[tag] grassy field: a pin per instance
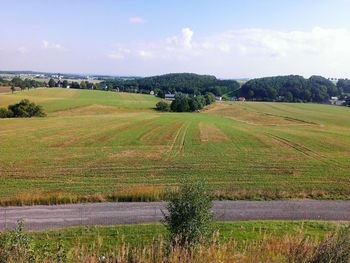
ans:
(97, 146)
(143, 234)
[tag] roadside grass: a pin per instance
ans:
(138, 235)
(104, 146)
(235, 242)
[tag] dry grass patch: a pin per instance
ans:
(210, 133)
(94, 109)
(239, 112)
(137, 154)
(5, 89)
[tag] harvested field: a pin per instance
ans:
(95, 143)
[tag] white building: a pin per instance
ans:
(170, 96)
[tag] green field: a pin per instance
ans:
(96, 146)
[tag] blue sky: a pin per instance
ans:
(230, 39)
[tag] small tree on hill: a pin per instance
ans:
(180, 104)
(189, 220)
(163, 106)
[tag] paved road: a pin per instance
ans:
(45, 217)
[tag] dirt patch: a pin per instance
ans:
(5, 89)
(210, 133)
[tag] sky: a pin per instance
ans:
(225, 38)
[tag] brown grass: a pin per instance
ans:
(238, 112)
(145, 193)
(289, 248)
(210, 133)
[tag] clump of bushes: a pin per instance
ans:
(23, 109)
(184, 103)
(163, 106)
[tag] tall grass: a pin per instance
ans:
(297, 248)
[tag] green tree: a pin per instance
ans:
(161, 94)
(288, 97)
(201, 101)
(83, 85)
(52, 83)
(26, 109)
(194, 105)
(13, 89)
(189, 220)
(163, 106)
(347, 101)
(209, 98)
(180, 104)
(5, 113)
(65, 83)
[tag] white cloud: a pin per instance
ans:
(255, 50)
(22, 50)
(145, 54)
(187, 35)
(185, 40)
(49, 45)
(119, 54)
(136, 20)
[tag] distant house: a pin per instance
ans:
(151, 93)
(241, 98)
(336, 101)
(218, 98)
(169, 96)
(340, 102)
(333, 100)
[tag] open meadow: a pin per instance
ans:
(98, 146)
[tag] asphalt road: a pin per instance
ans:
(45, 217)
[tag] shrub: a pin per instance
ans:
(16, 246)
(23, 109)
(163, 106)
(334, 248)
(189, 219)
(5, 113)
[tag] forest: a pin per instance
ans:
(291, 88)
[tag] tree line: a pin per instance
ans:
(20, 83)
(291, 88)
(344, 85)
(188, 83)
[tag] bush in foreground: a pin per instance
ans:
(189, 219)
(23, 109)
